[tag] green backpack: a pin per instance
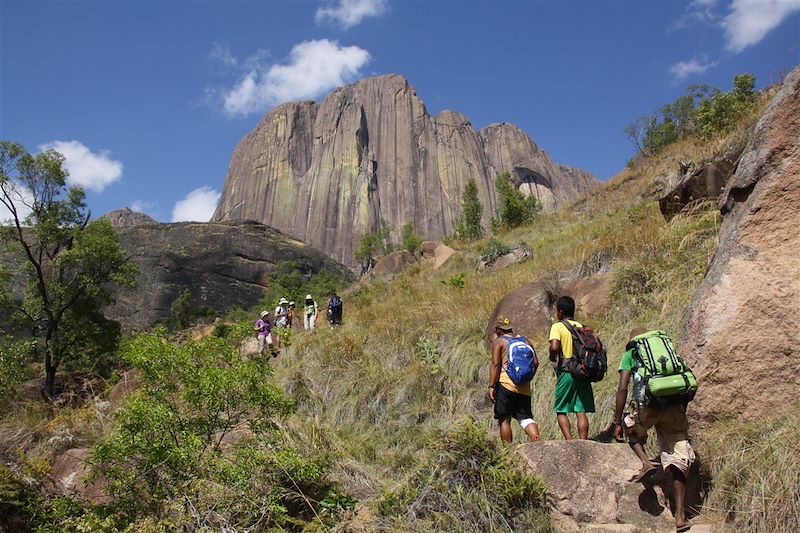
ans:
(667, 378)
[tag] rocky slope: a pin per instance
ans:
(370, 152)
(120, 218)
(742, 332)
(223, 264)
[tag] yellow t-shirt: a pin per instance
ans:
(559, 332)
(505, 381)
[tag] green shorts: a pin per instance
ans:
(573, 395)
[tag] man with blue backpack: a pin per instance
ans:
(663, 384)
(514, 364)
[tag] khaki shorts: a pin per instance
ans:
(672, 429)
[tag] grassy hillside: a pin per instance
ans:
(390, 413)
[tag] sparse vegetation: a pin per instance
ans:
(703, 111)
(468, 226)
(409, 240)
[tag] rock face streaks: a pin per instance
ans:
(370, 152)
(743, 330)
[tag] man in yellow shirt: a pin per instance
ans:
(572, 395)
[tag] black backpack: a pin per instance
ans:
(335, 304)
(589, 361)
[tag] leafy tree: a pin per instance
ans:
(180, 312)
(515, 208)
(70, 263)
(722, 110)
(410, 241)
(372, 244)
(173, 441)
(468, 226)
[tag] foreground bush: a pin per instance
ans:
(471, 483)
(198, 446)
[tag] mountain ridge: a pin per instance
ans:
(371, 153)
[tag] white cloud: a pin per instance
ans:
(684, 69)
(349, 13)
(198, 206)
(749, 21)
(94, 171)
(21, 198)
(697, 12)
(313, 68)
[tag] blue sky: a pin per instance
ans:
(148, 99)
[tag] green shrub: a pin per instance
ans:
(170, 442)
(410, 241)
(515, 208)
(14, 369)
(493, 249)
(456, 280)
(468, 226)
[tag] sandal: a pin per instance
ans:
(641, 475)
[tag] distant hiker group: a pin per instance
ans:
(283, 319)
(662, 386)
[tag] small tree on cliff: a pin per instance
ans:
(468, 226)
(69, 262)
(515, 208)
(371, 245)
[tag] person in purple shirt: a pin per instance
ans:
(264, 333)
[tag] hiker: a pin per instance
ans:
(335, 310)
(572, 395)
(310, 315)
(510, 386)
(264, 333)
(670, 422)
(281, 320)
(290, 314)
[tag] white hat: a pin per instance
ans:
(283, 301)
(308, 297)
(264, 313)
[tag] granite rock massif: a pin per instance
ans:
(370, 152)
(742, 333)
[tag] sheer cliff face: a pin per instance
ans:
(328, 173)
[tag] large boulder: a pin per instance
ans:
(391, 265)
(223, 265)
(69, 477)
(705, 182)
(370, 153)
(743, 329)
(527, 308)
(592, 295)
(444, 255)
(588, 488)
(516, 255)
(129, 383)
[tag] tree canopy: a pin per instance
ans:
(68, 262)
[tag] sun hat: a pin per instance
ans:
(283, 301)
(264, 313)
(503, 323)
(291, 304)
(308, 297)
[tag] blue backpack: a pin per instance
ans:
(522, 360)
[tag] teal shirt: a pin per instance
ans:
(629, 364)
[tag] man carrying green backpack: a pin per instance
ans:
(662, 386)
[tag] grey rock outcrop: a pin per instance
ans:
(705, 182)
(223, 265)
(743, 327)
(370, 152)
(124, 217)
